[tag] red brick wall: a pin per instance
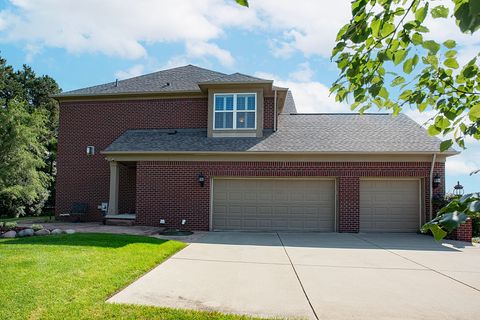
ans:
(170, 190)
(348, 204)
(86, 179)
(268, 113)
(464, 232)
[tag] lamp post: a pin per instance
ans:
(458, 189)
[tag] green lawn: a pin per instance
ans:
(71, 276)
(39, 219)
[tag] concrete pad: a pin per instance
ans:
(470, 278)
(345, 293)
(237, 247)
(264, 290)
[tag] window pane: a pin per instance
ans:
(241, 102)
(251, 102)
(245, 120)
(223, 120)
(219, 102)
(250, 123)
(241, 120)
(229, 102)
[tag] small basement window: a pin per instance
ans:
(235, 111)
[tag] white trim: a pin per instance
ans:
(210, 219)
(235, 111)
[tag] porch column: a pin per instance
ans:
(114, 183)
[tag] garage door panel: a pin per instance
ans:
(389, 205)
(274, 204)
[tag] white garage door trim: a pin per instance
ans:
(420, 201)
(335, 195)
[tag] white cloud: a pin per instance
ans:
(303, 74)
(310, 96)
(124, 28)
(309, 26)
(134, 71)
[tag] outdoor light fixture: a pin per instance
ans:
(201, 179)
(436, 181)
(90, 150)
(458, 189)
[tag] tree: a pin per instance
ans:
(23, 184)
(34, 95)
(387, 60)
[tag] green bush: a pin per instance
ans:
(10, 225)
(476, 225)
(36, 227)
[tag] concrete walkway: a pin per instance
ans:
(317, 276)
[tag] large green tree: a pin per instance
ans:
(26, 98)
(23, 183)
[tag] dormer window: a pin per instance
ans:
(235, 111)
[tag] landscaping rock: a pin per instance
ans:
(56, 231)
(9, 234)
(26, 233)
(69, 231)
(42, 232)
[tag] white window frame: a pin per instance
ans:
(234, 111)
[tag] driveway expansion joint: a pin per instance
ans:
(298, 278)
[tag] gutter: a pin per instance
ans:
(434, 158)
(275, 110)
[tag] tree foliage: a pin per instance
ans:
(387, 59)
(23, 184)
(28, 131)
(451, 216)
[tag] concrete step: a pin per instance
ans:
(119, 222)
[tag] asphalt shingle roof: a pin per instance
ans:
(296, 133)
(179, 79)
(237, 78)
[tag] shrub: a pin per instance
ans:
(10, 225)
(36, 227)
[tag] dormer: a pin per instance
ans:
(236, 105)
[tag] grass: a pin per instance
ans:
(71, 276)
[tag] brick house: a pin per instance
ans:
(230, 152)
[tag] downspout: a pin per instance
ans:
(431, 185)
(274, 110)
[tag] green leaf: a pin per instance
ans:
(452, 220)
(417, 38)
(421, 13)
(450, 53)
(438, 233)
(242, 2)
(474, 206)
(440, 12)
(375, 25)
(397, 81)
(431, 46)
(451, 63)
(387, 29)
(475, 112)
(408, 66)
(433, 131)
(445, 145)
(450, 44)
(399, 56)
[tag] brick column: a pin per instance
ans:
(464, 232)
(349, 204)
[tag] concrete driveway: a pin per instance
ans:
(317, 276)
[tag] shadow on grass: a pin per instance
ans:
(84, 239)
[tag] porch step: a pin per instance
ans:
(119, 222)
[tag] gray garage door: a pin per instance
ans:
(389, 205)
(273, 204)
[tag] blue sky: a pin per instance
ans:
(82, 43)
